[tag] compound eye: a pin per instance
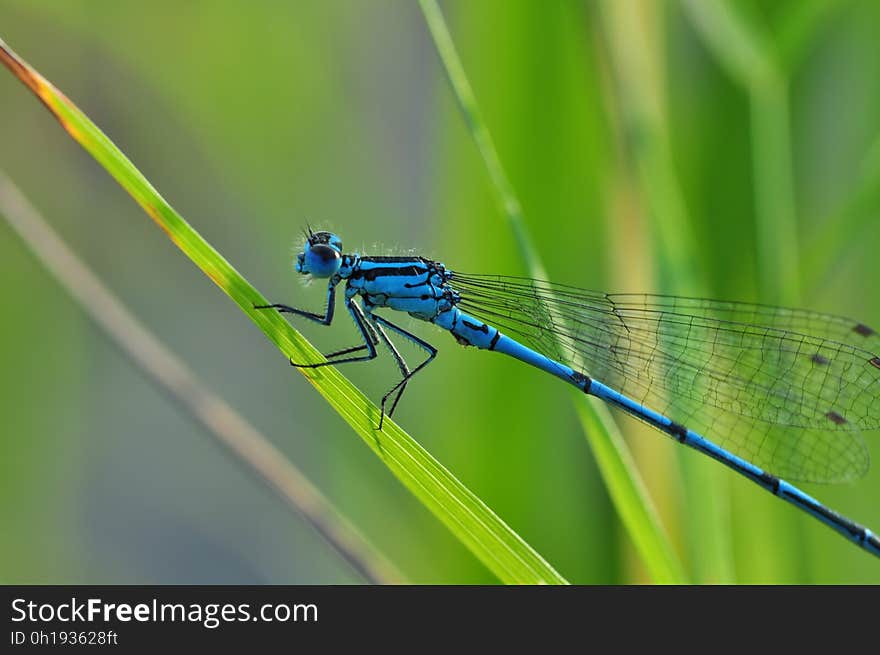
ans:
(323, 260)
(324, 252)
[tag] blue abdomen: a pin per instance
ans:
(468, 331)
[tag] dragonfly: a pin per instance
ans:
(784, 393)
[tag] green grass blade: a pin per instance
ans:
(640, 85)
(737, 47)
(774, 193)
(631, 499)
(750, 58)
(752, 62)
(175, 379)
(843, 230)
(621, 478)
(503, 551)
(803, 21)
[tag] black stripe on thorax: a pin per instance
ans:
(397, 260)
(417, 266)
(371, 274)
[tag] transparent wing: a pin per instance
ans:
(794, 388)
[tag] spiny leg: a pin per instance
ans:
(398, 358)
(326, 319)
(345, 351)
(367, 333)
(424, 345)
(353, 349)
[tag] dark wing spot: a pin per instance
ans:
(835, 418)
(874, 362)
(819, 359)
(864, 330)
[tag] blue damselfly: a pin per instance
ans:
(781, 392)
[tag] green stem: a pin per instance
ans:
(503, 551)
(621, 478)
(644, 133)
(174, 378)
(845, 227)
(750, 59)
(777, 234)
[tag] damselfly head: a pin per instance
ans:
(321, 255)
(328, 238)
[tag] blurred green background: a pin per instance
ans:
(727, 149)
